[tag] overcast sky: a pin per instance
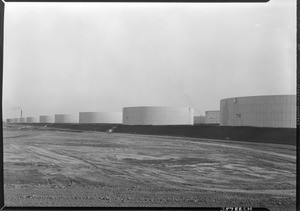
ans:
(72, 57)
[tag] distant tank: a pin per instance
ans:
(158, 115)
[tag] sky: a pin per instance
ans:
(76, 57)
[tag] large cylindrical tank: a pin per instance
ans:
(158, 115)
(22, 120)
(16, 120)
(100, 117)
(46, 119)
(66, 118)
(259, 111)
(32, 120)
(212, 117)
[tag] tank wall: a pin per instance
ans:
(32, 120)
(66, 118)
(199, 119)
(100, 117)
(259, 111)
(46, 119)
(212, 117)
(158, 116)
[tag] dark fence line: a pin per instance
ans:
(249, 134)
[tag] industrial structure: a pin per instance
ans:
(199, 120)
(66, 118)
(158, 115)
(259, 111)
(15, 120)
(32, 120)
(46, 119)
(100, 117)
(212, 117)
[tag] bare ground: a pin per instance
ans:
(46, 167)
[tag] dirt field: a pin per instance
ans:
(47, 167)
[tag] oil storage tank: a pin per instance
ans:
(100, 117)
(158, 115)
(259, 111)
(32, 120)
(66, 118)
(46, 119)
(212, 117)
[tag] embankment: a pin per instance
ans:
(249, 134)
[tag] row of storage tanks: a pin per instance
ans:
(257, 111)
(82, 117)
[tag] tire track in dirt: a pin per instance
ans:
(50, 156)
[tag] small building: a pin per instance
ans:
(22, 120)
(32, 120)
(100, 117)
(158, 115)
(46, 119)
(212, 117)
(199, 120)
(66, 118)
(9, 120)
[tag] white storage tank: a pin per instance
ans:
(212, 117)
(66, 118)
(158, 115)
(22, 120)
(259, 111)
(32, 120)
(199, 120)
(46, 119)
(15, 120)
(100, 117)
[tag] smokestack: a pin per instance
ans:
(21, 113)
